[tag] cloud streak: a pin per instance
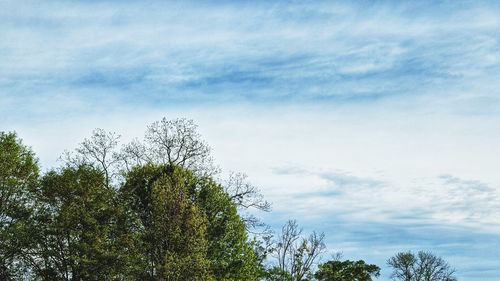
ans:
(263, 52)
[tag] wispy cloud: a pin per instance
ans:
(444, 200)
(263, 52)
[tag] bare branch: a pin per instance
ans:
(295, 254)
(244, 194)
(97, 151)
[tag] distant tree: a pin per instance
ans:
(338, 270)
(424, 266)
(296, 254)
(18, 178)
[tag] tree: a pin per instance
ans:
(99, 152)
(178, 229)
(246, 196)
(18, 177)
(170, 227)
(73, 230)
(337, 270)
(424, 266)
(170, 204)
(166, 142)
(152, 211)
(171, 142)
(231, 253)
(296, 254)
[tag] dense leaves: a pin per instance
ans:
(74, 222)
(182, 214)
(347, 270)
(232, 256)
(18, 177)
(170, 227)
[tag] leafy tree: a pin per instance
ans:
(178, 229)
(170, 228)
(424, 266)
(18, 176)
(73, 232)
(216, 228)
(337, 270)
(152, 211)
(231, 254)
(166, 142)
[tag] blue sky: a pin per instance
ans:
(376, 122)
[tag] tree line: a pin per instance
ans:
(156, 209)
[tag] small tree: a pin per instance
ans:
(337, 270)
(424, 266)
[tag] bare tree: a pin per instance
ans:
(177, 142)
(247, 196)
(171, 142)
(424, 266)
(134, 154)
(297, 254)
(244, 194)
(98, 151)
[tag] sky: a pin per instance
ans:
(375, 122)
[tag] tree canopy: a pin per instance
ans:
(19, 173)
(337, 270)
(156, 210)
(101, 216)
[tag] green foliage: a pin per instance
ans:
(277, 274)
(178, 229)
(347, 270)
(165, 222)
(187, 224)
(18, 176)
(232, 256)
(74, 226)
